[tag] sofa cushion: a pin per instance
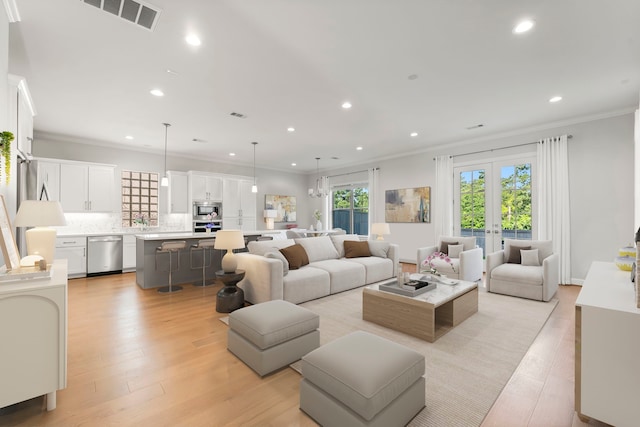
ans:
(338, 242)
(515, 256)
(376, 268)
(530, 257)
(278, 255)
(379, 248)
(262, 247)
(455, 250)
(356, 249)
(296, 256)
(444, 246)
(468, 242)
(305, 284)
(515, 273)
(318, 248)
(544, 247)
(343, 275)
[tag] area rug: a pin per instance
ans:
(467, 368)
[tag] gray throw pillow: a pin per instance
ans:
(278, 255)
(379, 249)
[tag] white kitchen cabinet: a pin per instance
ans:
(86, 188)
(206, 187)
(74, 250)
(178, 192)
(47, 180)
(238, 204)
(128, 252)
(33, 332)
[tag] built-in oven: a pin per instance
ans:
(202, 226)
(207, 211)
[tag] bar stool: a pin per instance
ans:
(206, 245)
(173, 247)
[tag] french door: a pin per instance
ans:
(495, 200)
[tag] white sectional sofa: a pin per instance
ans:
(267, 276)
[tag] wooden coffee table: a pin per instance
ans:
(427, 316)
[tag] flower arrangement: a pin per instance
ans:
(210, 218)
(317, 215)
(140, 219)
(5, 149)
(437, 255)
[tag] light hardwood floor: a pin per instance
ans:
(136, 357)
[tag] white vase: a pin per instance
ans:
(318, 225)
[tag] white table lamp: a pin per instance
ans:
(229, 240)
(40, 214)
(269, 217)
(380, 228)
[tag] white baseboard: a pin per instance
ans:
(578, 282)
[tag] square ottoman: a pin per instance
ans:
(273, 334)
(362, 379)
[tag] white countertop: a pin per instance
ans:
(191, 235)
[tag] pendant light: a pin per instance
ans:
(320, 189)
(165, 181)
(254, 187)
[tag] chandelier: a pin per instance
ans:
(320, 189)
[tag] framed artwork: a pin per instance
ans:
(408, 205)
(284, 205)
(7, 241)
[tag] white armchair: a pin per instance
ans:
(525, 268)
(466, 258)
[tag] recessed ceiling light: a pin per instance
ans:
(193, 40)
(291, 129)
(170, 71)
(294, 164)
(359, 148)
(555, 99)
(232, 154)
(523, 26)
(157, 92)
(128, 137)
(413, 134)
(346, 105)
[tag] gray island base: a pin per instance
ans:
(149, 276)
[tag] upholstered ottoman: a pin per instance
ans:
(362, 379)
(273, 334)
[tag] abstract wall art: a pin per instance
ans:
(408, 205)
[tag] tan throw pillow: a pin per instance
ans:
(514, 253)
(444, 246)
(356, 249)
(278, 255)
(530, 257)
(455, 250)
(296, 256)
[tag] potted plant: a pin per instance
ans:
(5, 149)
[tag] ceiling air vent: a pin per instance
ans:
(239, 115)
(137, 12)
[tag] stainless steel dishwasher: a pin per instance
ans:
(104, 255)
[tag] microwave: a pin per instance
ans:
(202, 210)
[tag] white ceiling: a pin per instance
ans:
(292, 63)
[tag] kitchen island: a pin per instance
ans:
(190, 267)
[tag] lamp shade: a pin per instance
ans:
(270, 213)
(39, 213)
(380, 228)
(229, 239)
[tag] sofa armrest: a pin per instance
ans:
(493, 260)
(394, 256)
(471, 265)
(262, 278)
(550, 276)
(423, 253)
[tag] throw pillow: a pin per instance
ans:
(296, 256)
(514, 253)
(444, 246)
(455, 250)
(356, 249)
(530, 257)
(378, 248)
(278, 255)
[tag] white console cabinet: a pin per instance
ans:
(33, 333)
(607, 358)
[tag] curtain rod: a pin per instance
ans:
(499, 148)
(351, 173)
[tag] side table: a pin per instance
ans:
(230, 297)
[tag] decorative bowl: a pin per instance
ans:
(624, 263)
(627, 251)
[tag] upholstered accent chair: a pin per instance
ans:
(525, 268)
(466, 258)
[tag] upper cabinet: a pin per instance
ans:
(47, 178)
(178, 192)
(21, 112)
(238, 204)
(206, 187)
(86, 187)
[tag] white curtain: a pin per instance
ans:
(443, 209)
(373, 196)
(637, 172)
(553, 200)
